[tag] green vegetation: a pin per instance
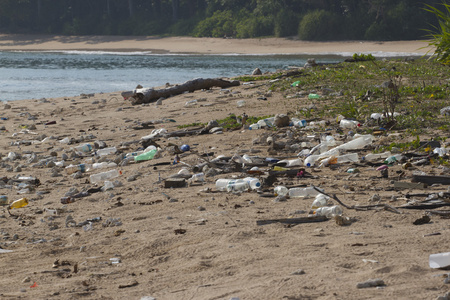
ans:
(409, 94)
(363, 57)
(440, 36)
(306, 19)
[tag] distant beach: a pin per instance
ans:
(192, 45)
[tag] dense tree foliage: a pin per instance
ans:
(307, 19)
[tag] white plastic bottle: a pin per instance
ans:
(329, 211)
(103, 165)
(253, 182)
(254, 126)
(303, 192)
(237, 186)
(289, 163)
(310, 161)
(99, 177)
(106, 151)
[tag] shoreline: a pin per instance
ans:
(191, 45)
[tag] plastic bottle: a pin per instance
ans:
(253, 182)
(106, 151)
(146, 155)
(75, 168)
(350, 157)
(311, 160)
(237, 186)
(254, 126)
(19, 203)
(332, 160)
(376, 156)
(329, 211)
(84, 148)
(392, 159)
(197, 177)
(349, 124)
(313, 96)
(303, 192)
(103, 165)
(289, 163)
(439, 260)
(320, 201)
(3, 200)
(95, 178)
(280, 190)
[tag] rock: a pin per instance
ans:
(174, 182)
(370, 283)
(7, 106)
(281, 120)
(257, 71)
(212, 124)
(298, 272)
(310, 63)
(445, 111)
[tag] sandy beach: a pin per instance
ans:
(204, 45)
(145, 240)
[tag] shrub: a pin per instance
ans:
(440, 38)
(319, 25)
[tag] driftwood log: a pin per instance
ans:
(147, 95)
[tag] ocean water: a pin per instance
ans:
(36, 75)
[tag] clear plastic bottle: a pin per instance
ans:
(86, 148)
(303, 192)
(280, 190)
(103, 165)
(106, 151)
(236, 184)
(345, 158)
(289, 163)
(253, 182)
(310, 161)
(99, 177)
(75, 168)
(349, 124)
(329, 211)
(320, 201)
(376, 156)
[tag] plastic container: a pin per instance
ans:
(349, 124)
(376, 156)
(310, 161)
(19, 203)
(303, 192)
(3, 200)
(86, 148)
(289, 163)
(320, 201)
(329, 211)
(197, 177)
(99, 177)
(345, 158)
(280, 190)
(253, 182)
(254, 126)
(103, 165)
(439, 260)
(392, 159)
(146, 155)
(106, 151)
(75, 168)
(237, 186)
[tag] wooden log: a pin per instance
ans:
(147, 95)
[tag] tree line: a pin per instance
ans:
(305, 19)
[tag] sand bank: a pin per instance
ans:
(204, 45)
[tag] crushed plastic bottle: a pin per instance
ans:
(349, 124)
(146, 155)
(303, 192)
(19, 203)
(106, 151)
(75, 168)
(86, 148)
(320, 201)
(99, 177)
(329, 211)
(280, 190)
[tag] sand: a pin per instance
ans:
(204, 244)
(205, 45)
